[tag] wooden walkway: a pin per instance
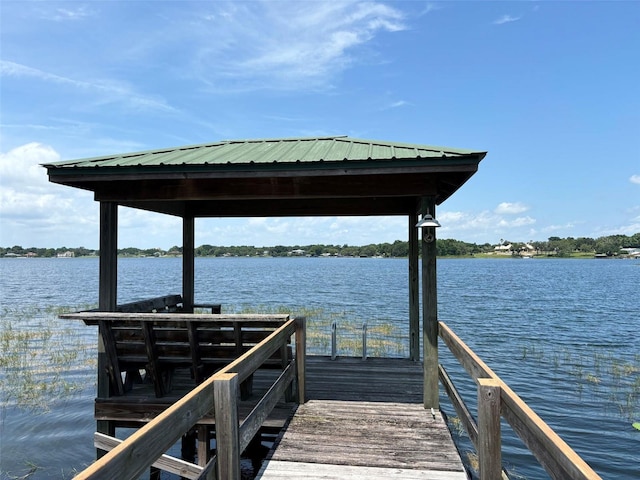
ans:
(364, 420)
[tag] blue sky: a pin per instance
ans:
(550, 89)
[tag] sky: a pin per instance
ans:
(551, 90)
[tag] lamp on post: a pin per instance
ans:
(428, 221)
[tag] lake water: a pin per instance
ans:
(564, 334)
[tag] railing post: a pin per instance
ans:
(364, 341)
(301, 354)
(225, 401)
(489, 441)
(334, 340)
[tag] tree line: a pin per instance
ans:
(555, 246)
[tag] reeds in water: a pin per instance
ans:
(384, 336)
(41, 357)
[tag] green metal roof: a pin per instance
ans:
(270, 151)
(274, 177)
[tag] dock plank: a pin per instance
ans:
(306, 471)
(364, 419)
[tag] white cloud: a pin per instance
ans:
(430, 7)
(635, 179)
(301, 231)
(484, 226)
(73, 14)
(34, 209)
(522, 221)
(510, 208)
(399, 103)
(109, 91)
(20, 169)
(253, 46)
(506, 19)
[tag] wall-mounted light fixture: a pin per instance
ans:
(426, 222)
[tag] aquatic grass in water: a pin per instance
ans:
(38, 353)
(597, 372)
(384, 338)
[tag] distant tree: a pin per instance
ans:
(400, 249)
(17, 249)
(315, 250)
(368, 251)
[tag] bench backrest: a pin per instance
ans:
(166, 303)
(204, 343)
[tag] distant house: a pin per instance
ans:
(67, 254)
(631, 251)
(298, 252)
(503, 249)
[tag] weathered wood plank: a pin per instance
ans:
(93, 317)
(251, 425)
(429, 309)
(129, 461)
(225, 392)
(278, 470)
(489, 435)
(392, 435)
(165, 462)
(460, 407)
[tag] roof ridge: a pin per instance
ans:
(284, 150)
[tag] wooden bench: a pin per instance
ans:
(158, 344)
(165, 304)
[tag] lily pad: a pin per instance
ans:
(636, 425)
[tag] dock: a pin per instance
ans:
(364, 419)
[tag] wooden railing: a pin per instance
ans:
(496, 399)
(128, 459)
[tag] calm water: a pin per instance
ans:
(563, 333)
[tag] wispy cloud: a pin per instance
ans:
(483, 224)
(635, 179)
(510, 208)
(506, 19)
(110, 91)
(71, 14)
(430, 7)
(253, 46)
(399, 103)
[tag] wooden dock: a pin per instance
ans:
(364, 419)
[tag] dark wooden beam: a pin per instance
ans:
(107, 297)
(414, 289)
(290, 188)
(280, 207)
(188, 262)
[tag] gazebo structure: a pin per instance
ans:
(329, 176)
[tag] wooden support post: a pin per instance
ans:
(188, 446)
(188, 263)
(414, 290)
(489, 441)
(107, 299)
(429, 309)
(203, 445)
(107, 293)
(225, 400)
(301, 354)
